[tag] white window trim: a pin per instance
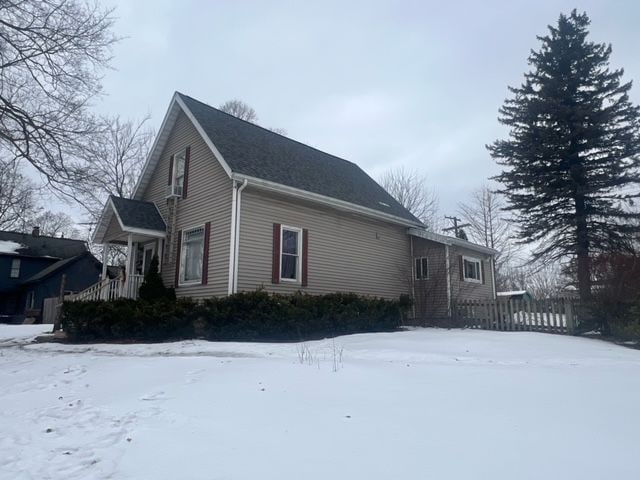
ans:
(174, 173)
(464, 273)
(183, 251)
(415, 273)
(11, 270)
(172, 190)
(298, 278)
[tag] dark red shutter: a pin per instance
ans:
(178, 256)
(205, 253)
(305, 257)
(482, 270)
(275, 265)
(461, 263)
(170, 179)
(185, 182)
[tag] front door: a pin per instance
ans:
(149, 251)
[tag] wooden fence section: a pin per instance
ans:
(50, 309)
(548, 315)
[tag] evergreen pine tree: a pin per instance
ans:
(152, 288)
(571, 158)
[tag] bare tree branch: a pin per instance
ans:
(489, 226)
(17, 197)
(411, 190)
(239, 109)
(115, 157)
(51, 56)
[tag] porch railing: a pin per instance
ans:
(109, 289)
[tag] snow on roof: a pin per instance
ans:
(509, 294)
(7, 246)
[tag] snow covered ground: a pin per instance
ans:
(410, 405)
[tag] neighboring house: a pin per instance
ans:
(521, 295)
(31, 269)
(229, 206)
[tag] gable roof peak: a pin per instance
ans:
(267, 130)
(246, 150)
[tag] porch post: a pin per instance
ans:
(129, 265)
(105, 256)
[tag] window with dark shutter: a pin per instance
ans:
(305, 257)
(170, 179)
(179, 250)
(290, 254)
(185, 179)
(205, 254)
(275, 261)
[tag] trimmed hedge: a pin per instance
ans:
(253, 316)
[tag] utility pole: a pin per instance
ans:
(455, 227)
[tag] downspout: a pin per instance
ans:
(237, 235)
(232, 239)
(413, 276)
(448, 269)
(493, 276)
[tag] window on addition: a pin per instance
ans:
(472, 269)
(422, 268)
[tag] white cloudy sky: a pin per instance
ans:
(380, 83)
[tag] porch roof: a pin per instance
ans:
(132, 216)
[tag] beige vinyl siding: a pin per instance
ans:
(208, 200)
(464, 290)
(114, 231)
(347, 253)
(430, 295)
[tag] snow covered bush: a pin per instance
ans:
(256, 316)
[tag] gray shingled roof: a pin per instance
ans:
(138, 214)
(43, 246)
(257, 152)
(54, 267)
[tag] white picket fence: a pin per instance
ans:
(547, 315)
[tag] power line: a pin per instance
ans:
(456, 226)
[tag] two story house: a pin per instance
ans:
(229, 206)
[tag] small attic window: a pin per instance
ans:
(384, 204)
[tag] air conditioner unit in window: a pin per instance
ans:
(174, 191)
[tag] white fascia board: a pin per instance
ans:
(316, 197)
(452, 241)
(103, 224)
(152, 156)
(205, 137)
(144, 231)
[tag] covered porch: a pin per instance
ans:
(136, 229)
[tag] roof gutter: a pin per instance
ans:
(323, 199)
(451, 241)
